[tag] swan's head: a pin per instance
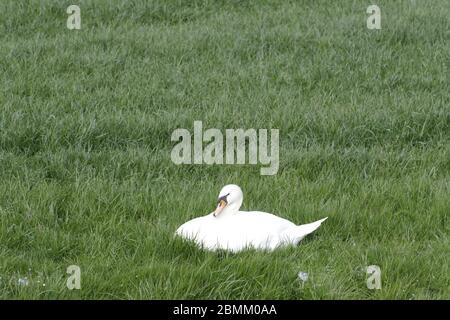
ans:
(229, 200)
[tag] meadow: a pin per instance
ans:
(86, 118)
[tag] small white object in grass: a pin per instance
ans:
(303, 276)
(23, 282)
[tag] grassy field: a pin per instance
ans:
(86, 118)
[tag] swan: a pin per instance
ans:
(233, 230)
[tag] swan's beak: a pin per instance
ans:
(222, 204)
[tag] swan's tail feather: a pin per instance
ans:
(296, 234)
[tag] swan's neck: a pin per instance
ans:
(229, 211)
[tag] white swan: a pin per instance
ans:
(230, 229)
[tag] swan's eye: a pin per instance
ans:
(224, 198)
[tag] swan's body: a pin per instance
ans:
(230, 229)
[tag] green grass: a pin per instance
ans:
(85, 125)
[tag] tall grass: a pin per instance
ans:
(85, 124)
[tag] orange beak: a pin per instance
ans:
(222, 204)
